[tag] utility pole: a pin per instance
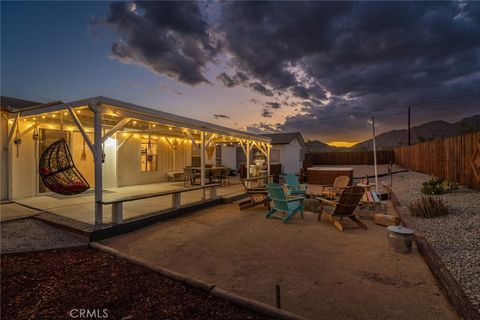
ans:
(409, 126)
(374, 154)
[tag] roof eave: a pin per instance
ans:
(158, 115)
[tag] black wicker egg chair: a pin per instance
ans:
(58, 172)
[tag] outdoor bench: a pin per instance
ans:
(117, 204)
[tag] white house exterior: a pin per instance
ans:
(112, 144)
(288, 149)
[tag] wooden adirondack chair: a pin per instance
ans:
(343, 208)
(339, 185)
(293, 184)
(258, 194)
(286, 206)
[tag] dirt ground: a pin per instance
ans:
(56, 284)
(323, 273)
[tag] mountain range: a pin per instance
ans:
(395, 138)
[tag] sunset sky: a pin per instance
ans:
(320, 68)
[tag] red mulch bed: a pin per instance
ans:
(48, 284)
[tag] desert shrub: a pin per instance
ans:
(436, 186)
(428, 207)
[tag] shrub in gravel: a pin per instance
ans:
(427, 207)
(436, 186)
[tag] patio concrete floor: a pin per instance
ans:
(323, 273)
(81, 207)
(13, 211)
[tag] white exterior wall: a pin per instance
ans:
(3, 158)
(84, 166)
(109, 167)
(229, 157)
(22, 179)
(289, 156)
(128, 162)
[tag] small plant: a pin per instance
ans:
(427, 207)
(436, 186)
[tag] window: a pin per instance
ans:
(148, 156)
(275, 155)
(196, 159)
(302, 154)
(218, 155)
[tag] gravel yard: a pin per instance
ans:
(454, 237)
(55, 284)
(31, 234)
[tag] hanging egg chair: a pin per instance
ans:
(58, 172)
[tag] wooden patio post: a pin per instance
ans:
(202, 158)
(248, 159)
(268, 159)
(374, 154)
(97, 156)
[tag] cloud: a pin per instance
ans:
(229, 81)
(262, 127)
(355, 58)
(168, 38)
(266, 113)
(331, 60)
(221, 116)
(274, 105)
(260, 88)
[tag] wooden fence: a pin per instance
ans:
(350, 158)
(456, 158)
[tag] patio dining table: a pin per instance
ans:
(208, 172)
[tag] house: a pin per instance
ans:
(288, 149)
(112, 144)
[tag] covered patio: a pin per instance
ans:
(124, 150)
(80, 208)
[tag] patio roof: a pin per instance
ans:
(120, 108)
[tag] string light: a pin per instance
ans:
(78, 111)
(169, 128)
(43, 116)
(136, 135)
(54, 115)
(153, 125)
(134, 122)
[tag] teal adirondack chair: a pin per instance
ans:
(294, 186)
(282, 204)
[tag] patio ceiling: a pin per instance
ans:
(143, 121)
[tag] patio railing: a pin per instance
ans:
(117, 204)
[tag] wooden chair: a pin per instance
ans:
(339, 185)
(258, 195)
(294, 187)
(286, 206)
(343, 208)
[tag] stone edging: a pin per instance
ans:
(212, 289)
(450, 287)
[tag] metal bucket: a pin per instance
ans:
(400, 239)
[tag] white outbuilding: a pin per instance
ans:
(288, 149)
